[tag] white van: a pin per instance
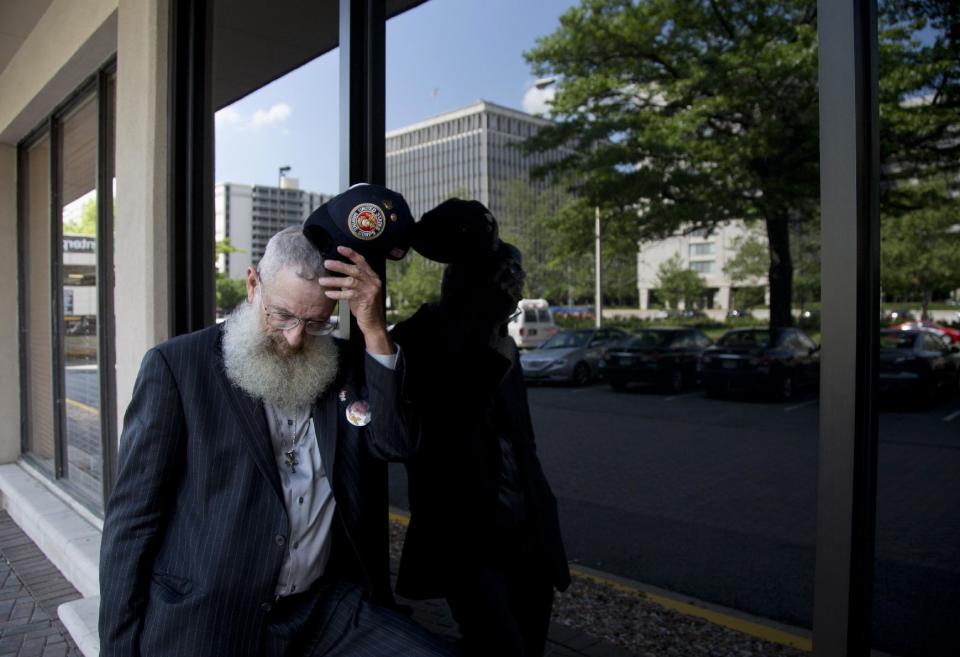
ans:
(532, 325)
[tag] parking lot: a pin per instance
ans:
(716, 498)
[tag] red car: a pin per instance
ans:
(944, 331)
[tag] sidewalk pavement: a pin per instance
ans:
(31, 588)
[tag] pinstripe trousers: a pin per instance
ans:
(333, 619)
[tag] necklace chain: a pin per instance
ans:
(296, 433)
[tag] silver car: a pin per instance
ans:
(569, 356)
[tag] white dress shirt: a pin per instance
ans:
(307, 494)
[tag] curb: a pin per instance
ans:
(738, 621)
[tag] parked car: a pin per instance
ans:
(917, 362)
(571, 356)
(532, 324)
(898, 315)
(944, 331)
(665, 357)
(778, 361)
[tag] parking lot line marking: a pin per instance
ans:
(688, 394)
(82, 406)
(796, 406)
(953, 416)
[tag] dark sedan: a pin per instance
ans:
(777, 361)
(917, 362)
(666, 357)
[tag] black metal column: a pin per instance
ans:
(106, 331)
(363, 159)
(362, 92)
(191, 221)
(57, 360)
(849, 172)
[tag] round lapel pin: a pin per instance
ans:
(358, 413)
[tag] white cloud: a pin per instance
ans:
(537, 101)
(276, 114)
(232, 117)
(227, 116)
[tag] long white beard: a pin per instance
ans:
(257, 362)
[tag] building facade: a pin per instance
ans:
(706, 253)
(249, 215)
(473, 152)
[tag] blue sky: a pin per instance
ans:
(441, 55)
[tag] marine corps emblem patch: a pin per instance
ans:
(366, 221)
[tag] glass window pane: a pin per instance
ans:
(277, 160)
(36, 264)
(917, 566)
(667, 146)
(79, 319)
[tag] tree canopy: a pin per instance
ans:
(682, 114)
(689, 113)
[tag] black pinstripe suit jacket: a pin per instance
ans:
(196, 529)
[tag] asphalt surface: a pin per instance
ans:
(717, 499)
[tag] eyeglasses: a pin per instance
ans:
(284, 321)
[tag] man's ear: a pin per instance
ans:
(252, 281)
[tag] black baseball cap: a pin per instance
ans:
(371, 219)
(457, 231)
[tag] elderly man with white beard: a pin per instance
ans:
(249, 512)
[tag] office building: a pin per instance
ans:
(472, 152)
(248, 215)
(706, 253)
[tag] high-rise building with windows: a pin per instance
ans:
(249, 215)
(472, 152)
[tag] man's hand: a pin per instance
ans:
(361, 286)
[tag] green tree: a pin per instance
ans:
(920, 136)
(86, 224)
(413, 282)
(230, 292)
(676, 283)
(690, 113)
(527, 215)
(749, 261)
(920, 249)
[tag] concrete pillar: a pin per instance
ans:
(644, 298)
(9, 325)
(766, 296)
(724, 298)
(141, 299)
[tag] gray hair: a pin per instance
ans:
(290, 249)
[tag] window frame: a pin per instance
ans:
(50, 127)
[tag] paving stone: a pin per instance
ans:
(30, 589)
(32, 647)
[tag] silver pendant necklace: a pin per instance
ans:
(290, 456)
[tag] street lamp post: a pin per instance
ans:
(542, 84)
(283, 172)
(598, 279)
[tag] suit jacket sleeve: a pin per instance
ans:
(150, 445)
(392, 434)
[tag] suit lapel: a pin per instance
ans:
(255, 434)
